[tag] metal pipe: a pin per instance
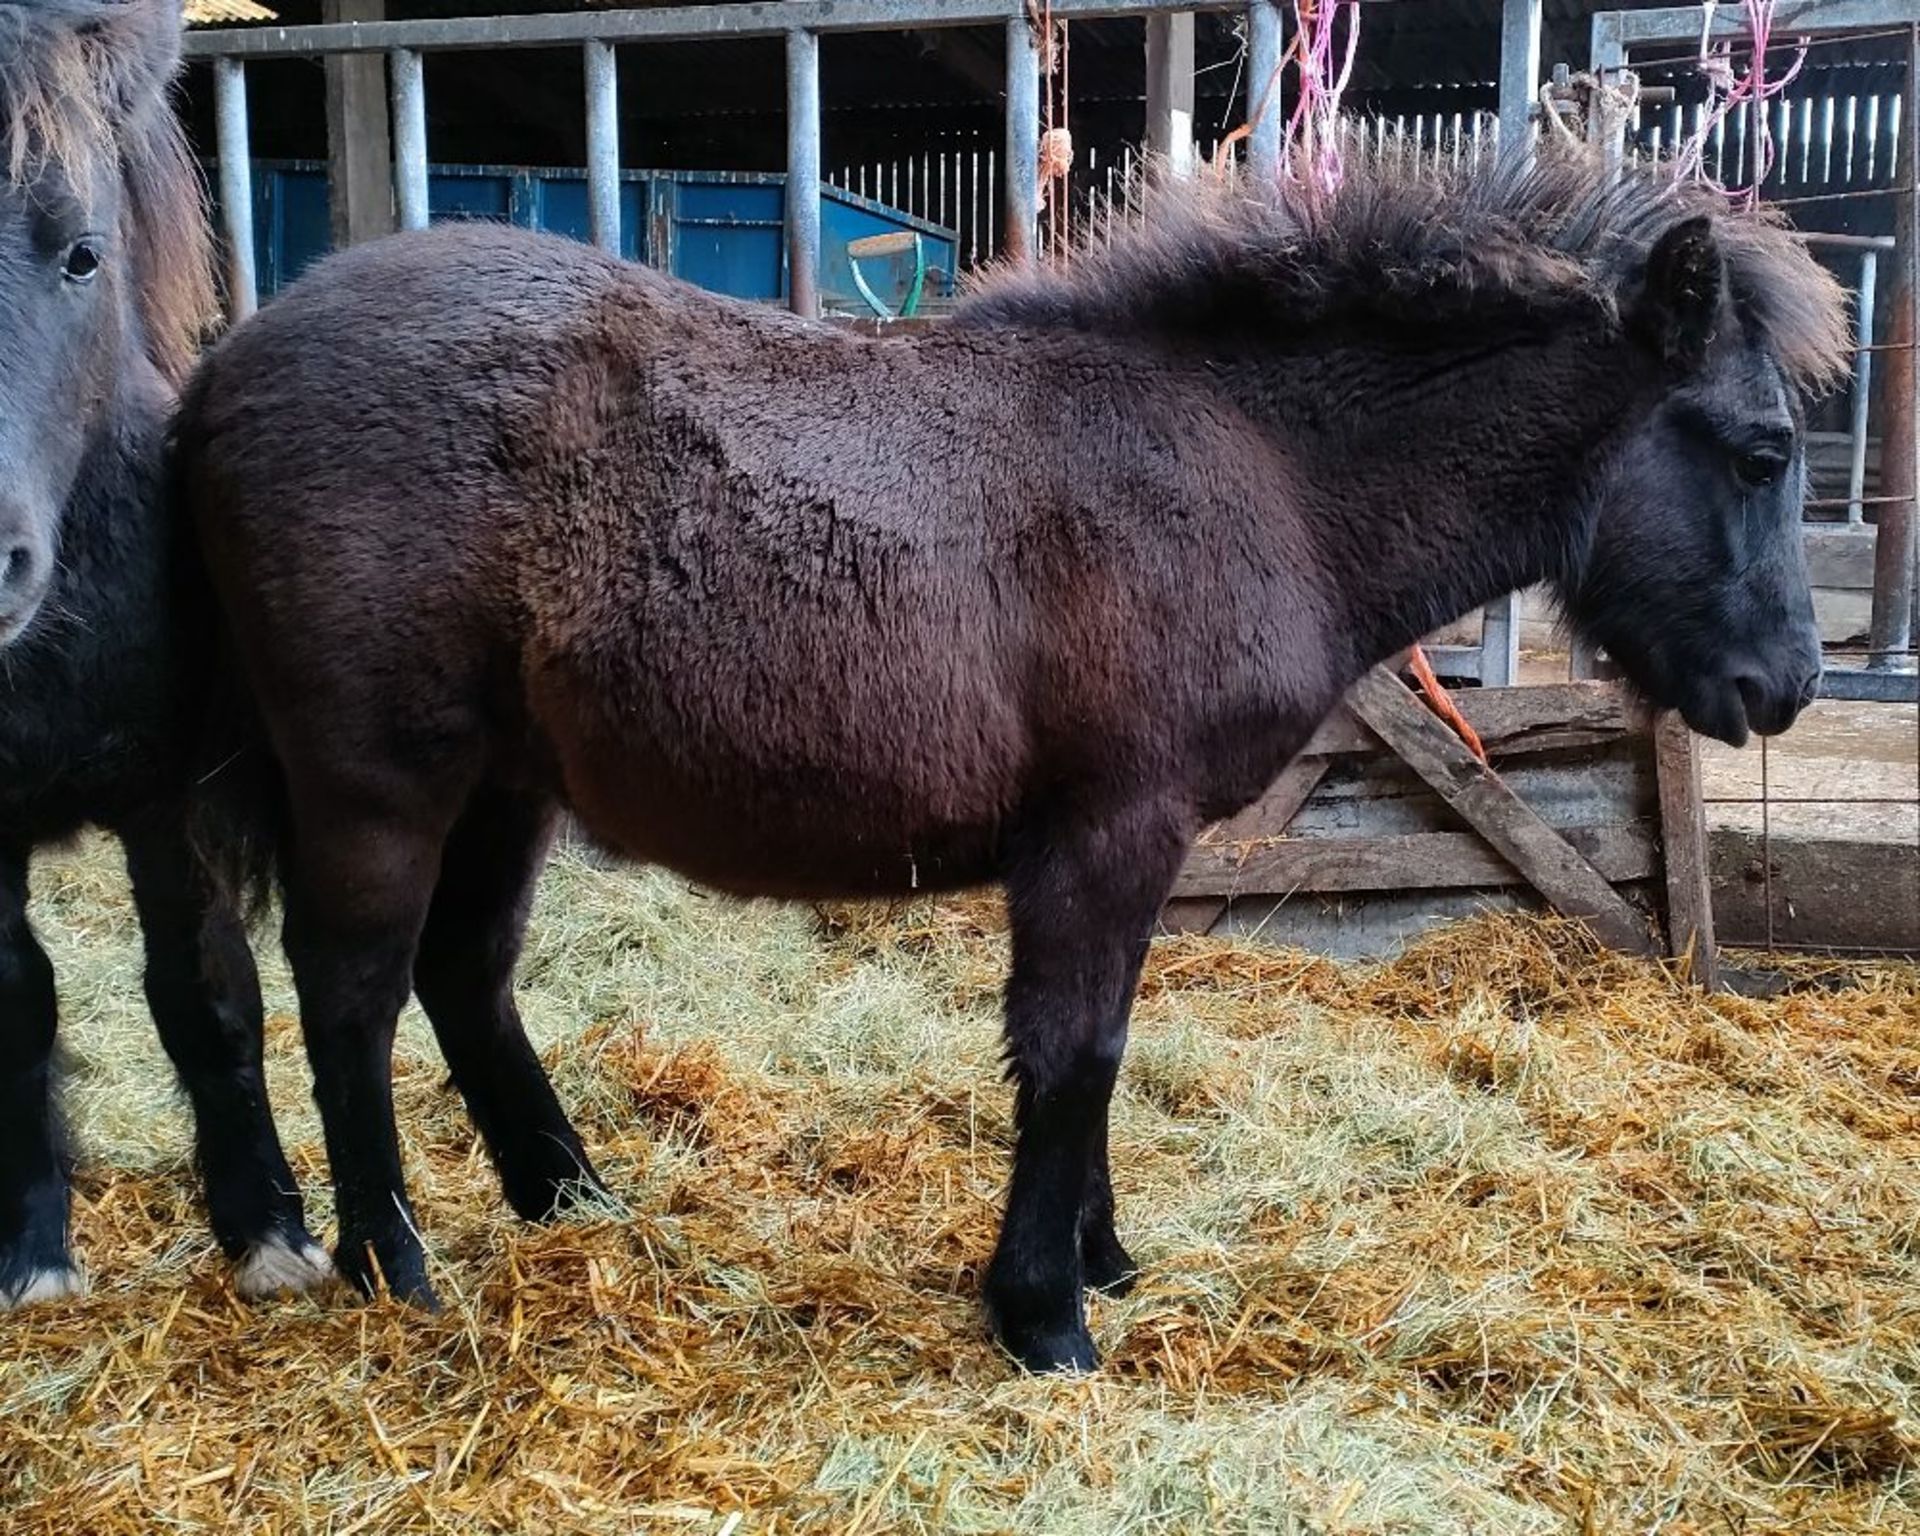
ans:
(236, 184)
(1266, 108)
(746, 18)
(1022, 185)
(603, 145)
(1890, 631)
(1170, 84)
(1519, 72)
(409, 137)
(1862, 387)
(1584, 663)
(803, 173)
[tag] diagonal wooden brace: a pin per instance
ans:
(1551, 865)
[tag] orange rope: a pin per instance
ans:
(1442, 702)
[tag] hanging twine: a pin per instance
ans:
(1729, 91)
(1310, 154)
(1055, 167)
(1608, 107)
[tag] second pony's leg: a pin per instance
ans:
(205, 996)
(1082, 897)
(34, 1261)
(463, 974)
(1105, 1265)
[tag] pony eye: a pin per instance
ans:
(1757, 470)
(82, 263)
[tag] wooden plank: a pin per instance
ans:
(1270, 815)
(1508, 720)
(1551, 865)
(1841, 558)
(1683, 838)
(359, 145)
(1418, 861)
(1196, 914)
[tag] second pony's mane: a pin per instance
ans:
(87, 78)
(1416, 246)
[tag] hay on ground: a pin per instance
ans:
(1508, 1236)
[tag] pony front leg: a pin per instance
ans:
(357, 895)
(34, 1261)
(204, 994)
(1082, 899)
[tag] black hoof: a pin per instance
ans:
(1041, 1332)
(403, 1275)
(1107, 1267)
(556, 1180)
(1045, 1351)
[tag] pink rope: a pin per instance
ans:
(1728, 91)
(1311, 153)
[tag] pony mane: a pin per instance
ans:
(84, 78)
(1409, 245)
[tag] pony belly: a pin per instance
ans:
(800, 848)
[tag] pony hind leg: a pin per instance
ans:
(35, 1263)
(1105, 1264)
(359, 882)
(1082, 901)
(204, 994)
(463, 975)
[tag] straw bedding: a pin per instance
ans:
(1506, 1236)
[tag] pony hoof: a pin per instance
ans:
(1110, 1270)
(1046, 1351)
(58, 1283)
(277, 1266)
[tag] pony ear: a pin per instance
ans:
(1678, 308)
(137, 44)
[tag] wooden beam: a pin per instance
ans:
(1270, 815)
(1508, 720)
(1551, 865)
(359, 143)
(1411, 861)
(1683, 837)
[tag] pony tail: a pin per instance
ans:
(237, 810)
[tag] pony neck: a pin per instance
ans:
(1443, 475)
(122, 476)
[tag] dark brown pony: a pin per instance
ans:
(105, 632)
(504, 526)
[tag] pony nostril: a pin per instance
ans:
(1810, 688)
(17, 568)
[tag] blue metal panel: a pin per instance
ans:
(845, 218)
(475, 196)
(560, 208)
(729, 234)
(723, 230)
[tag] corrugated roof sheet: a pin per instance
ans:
(224, 13)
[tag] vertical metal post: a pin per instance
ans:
(236, 183)
(1890, 631)
(1170, 91)
(1519, 72)
(1862, 387)
(1519, 86)
(603, 145)
(1265, 108)
(803, 173)
(1022, 184)
(409, 136)
(1609, 57)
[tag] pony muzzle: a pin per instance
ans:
(26, 571)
